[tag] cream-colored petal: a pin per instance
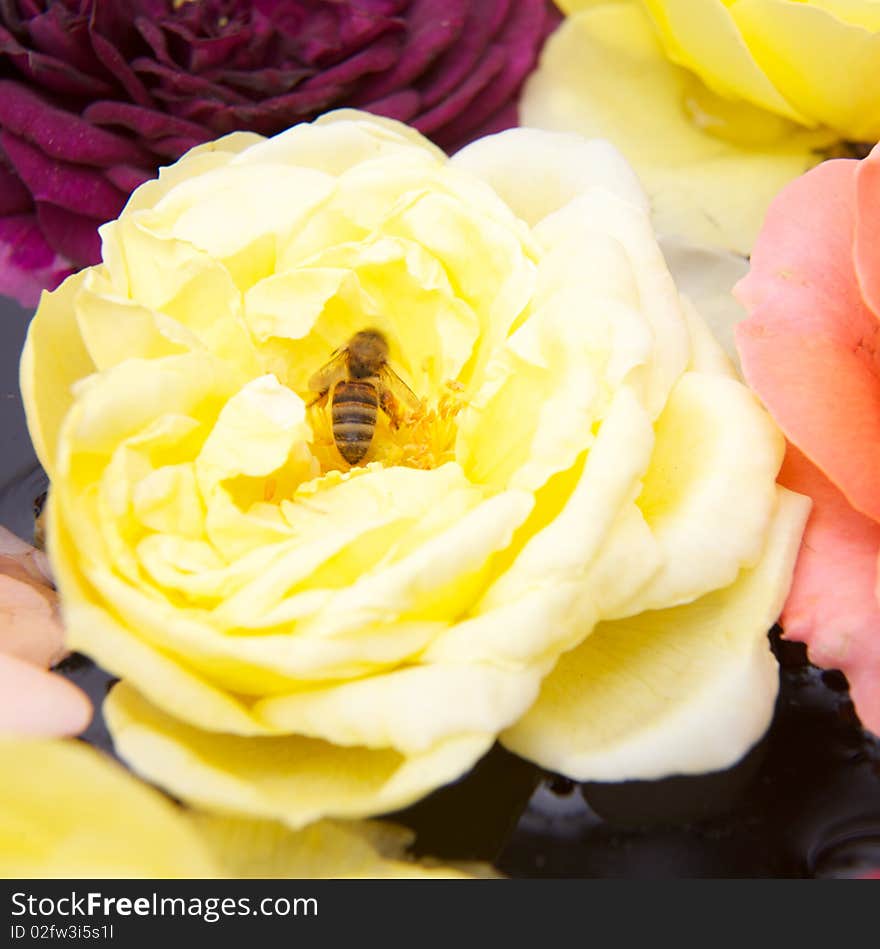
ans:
(290, 779)
(339, 140)
(709, 492)
(706, 276)
(565, 547)
(683, 690)
(437, 578)
(650, 285)
(603, 74)
(67, 811)
(537, 172)
(441, 702)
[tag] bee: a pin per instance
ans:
(359, 382)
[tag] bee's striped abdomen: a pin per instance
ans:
(354, 418)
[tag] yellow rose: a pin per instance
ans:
(586, 476)
(66, 812)
(717, 103)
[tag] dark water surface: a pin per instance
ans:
(804, 803)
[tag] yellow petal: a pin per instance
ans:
(199, 209)
(67, 811)
(543, 600)
(704, 37)
(391, 284)
(683, 690)
(643, 281)
(337, 850)
(712, 439)
(339, 140)
(291, 779)
(603, 74)
(564, 549)
(442, 701)
(862, 13)
(54, 358)
(254, 434)
(826, 66)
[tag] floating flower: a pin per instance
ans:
(67, 812)
(717, 104)
(94, 96)
(810, 350)
(577, 471)
(32, 700)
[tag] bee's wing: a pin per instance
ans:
(330, 373)
(391, 383)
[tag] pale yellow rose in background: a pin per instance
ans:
(67, 811)
(577, 544)
(717, 103)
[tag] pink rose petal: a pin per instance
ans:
(39, 704)
(833, 606)
(810, 345)
(34, 561)
(867, 246)
(30, 623)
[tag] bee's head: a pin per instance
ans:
(367, 353)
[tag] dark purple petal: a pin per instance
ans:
(432, 27)
(375, 58)
(261, 82)
(457, 62)
(49, 72)
(58, 133)
(63, 37)
(155, 37)
(209, 52)
(75, 187)
(517, 43)
(491, 66)
(505, 118)
(145, 123)
(173, 147)
(126, 178)
(174, 85)
(399, 105)
(27, 263)
(335, 31)
(74, 236)
(117, 64)
(14, 196)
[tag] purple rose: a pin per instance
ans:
(96, 94)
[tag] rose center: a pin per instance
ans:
(424, 438)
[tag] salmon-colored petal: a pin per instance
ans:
(30, 622)
(34, 561)
(867, 248)
(833, 606)
(38, 703)
(809, 347)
